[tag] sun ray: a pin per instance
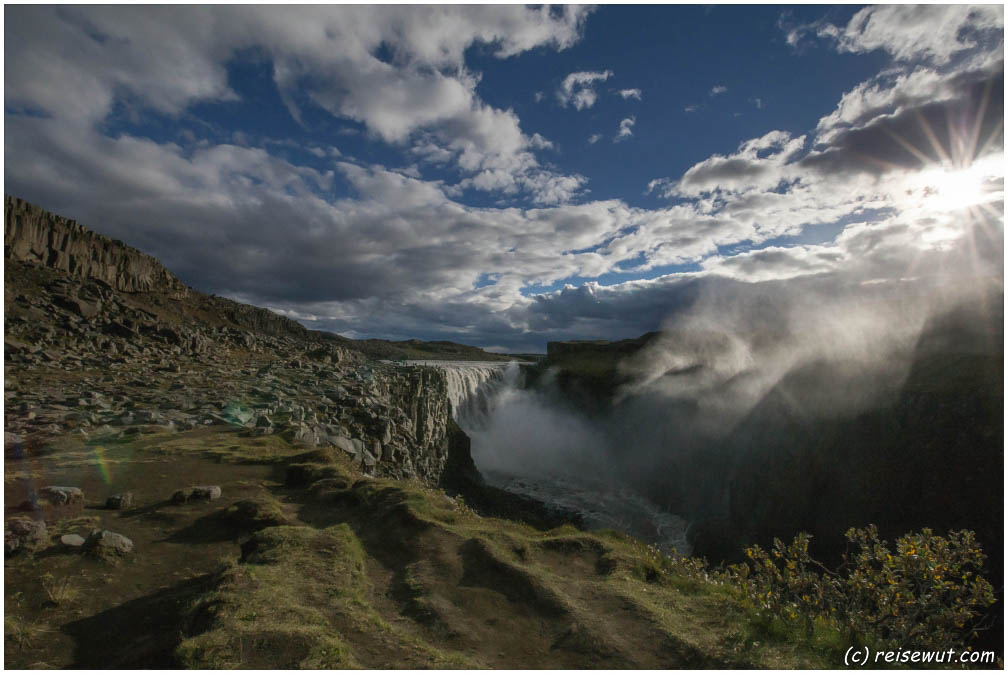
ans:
(933, 139)
(978, 121)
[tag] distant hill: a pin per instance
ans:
(415, 349)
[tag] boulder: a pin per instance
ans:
(78, 306)
(24, 533)
(72, 540)
(57, 503)
(119, 501)
(344, 443)
(200, 493)
(108, 545)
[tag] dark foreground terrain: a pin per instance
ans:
(305, 562)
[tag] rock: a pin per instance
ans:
(72, 540)
(263, 421)
(201, 493)
(24, 533)
(36, 236)
(118, 329)
(80, 307)
(119, 501)
(344, 443)
(57, 503)
(108, 545)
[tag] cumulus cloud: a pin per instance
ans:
(594, 138)
(625, 128)
(933, 33)
(903, 179)
(718, 89)
(578, 88)
(74, 64)
(627, 94)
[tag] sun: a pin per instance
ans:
(944, 189)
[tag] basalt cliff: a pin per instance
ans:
(91, 323)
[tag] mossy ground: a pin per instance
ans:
(304, 563)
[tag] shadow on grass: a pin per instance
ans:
(140, 634)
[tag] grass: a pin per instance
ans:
(376, 573)
(478, 592)
(220, 443)
(60, 591)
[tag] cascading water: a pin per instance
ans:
(525, 444)
(472, 388)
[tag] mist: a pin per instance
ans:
(736, 359)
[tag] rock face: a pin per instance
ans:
(101, 340)
(32, 234)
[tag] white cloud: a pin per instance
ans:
(718, 89)
(932, 33)
(578, 90)
(630, 93)
(594, 138)
(74, 63)
(540, 143)
(625, 128)
(691, 108)
(401, 255)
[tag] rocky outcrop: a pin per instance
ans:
(110, 346)
(32, 234)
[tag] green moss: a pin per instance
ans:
(221, 443)
(304, 596)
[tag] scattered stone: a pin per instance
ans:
(119, 501)
(202, 493)
(56, 503)
(62, 495)
(24, 533)
(72, 540)
(108, 545)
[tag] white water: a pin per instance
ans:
(523, 443)
(472, 388)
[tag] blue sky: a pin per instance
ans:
(504, 175)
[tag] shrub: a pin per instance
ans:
(928, 593)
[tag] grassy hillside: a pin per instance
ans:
(304, 562)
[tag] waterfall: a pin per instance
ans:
(524, 443)
(472, 388)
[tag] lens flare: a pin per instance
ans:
(103, 464)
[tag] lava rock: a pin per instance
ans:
(24, 533)
(108, 545)
(200, 493)
(57, 503)
(119, 501)
(72, 540)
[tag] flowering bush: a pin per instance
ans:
(928, 593)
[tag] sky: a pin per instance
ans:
(504, 175)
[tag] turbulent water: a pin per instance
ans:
(522, 443)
